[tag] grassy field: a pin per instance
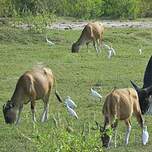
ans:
(21, 50)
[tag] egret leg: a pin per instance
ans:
(33, 111)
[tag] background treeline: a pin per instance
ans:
(130, 9)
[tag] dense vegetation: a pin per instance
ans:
(77, 8)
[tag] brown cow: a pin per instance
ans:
(92, 32)
(120, 104)
(32, 85)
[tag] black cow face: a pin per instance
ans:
(143, 95)
(9, 113)
(106, 135)
(75, 48)
(143, 101)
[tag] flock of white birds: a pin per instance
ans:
(111, 50)
(71, 105)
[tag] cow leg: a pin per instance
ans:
(46, 109)
(19, 114)
(139, 119)
(33, 110)
(114, 127)
(115, 137)
(96, 48)
(45, 112)
(128, 130)
(98, 45)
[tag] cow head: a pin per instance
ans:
(106, 135)
(9, 113)
(75, 48)
(143, 94)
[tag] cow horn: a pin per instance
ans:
(99, 126)
(135, 86)
(148, 90)
(4, 106)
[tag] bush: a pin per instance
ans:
(77, 8)
(5, 8)
(146, 8)
(121, 8)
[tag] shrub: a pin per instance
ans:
(121, 8)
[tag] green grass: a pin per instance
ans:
(20, 50)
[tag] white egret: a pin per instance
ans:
(71, 112)
(48, 41)
(140, 51)
(70, 102)
(111, 50)
(95, 94)
(145, 135)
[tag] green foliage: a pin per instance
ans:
(5, 8)
(108, 131)
(121, 8)
(146, 8)
(130, 9)
(77, 8)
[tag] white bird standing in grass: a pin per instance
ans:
(145, 135)
(70, 102)
(111, 50)
(110, 54)
(95, 94)
(48, 41)
(71, 112)
(140, 51)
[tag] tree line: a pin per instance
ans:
(127, 9)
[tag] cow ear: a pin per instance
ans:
(135, 86)
(148, 90)
(99, 126)
(8, 101)
(4, 106)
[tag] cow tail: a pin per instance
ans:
(56, 91)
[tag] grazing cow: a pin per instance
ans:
(92, 32)
(119, 104)
(32, 85)
(145, 92)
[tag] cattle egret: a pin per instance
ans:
(95, 94)
(48, 41)
(70, 102)
(110, 54)
(145, 135)
(140, 51)
(111, 50)
(71, 112)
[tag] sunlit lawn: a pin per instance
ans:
(75, 74)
